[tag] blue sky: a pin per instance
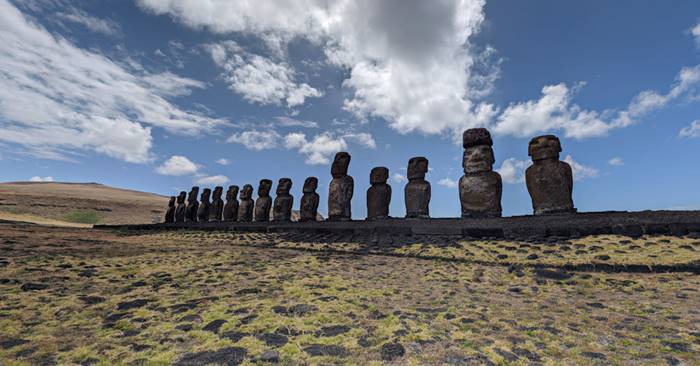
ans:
(158, 95)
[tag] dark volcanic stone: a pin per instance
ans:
(184, 327)
(273, 339)
(30, 286)
(602, 257)
(302, 309)
(270, 356)
(91, 300)
(224, 356)
(132, 304)
(594, 355)
(12, 342)
(676, 346)
(532, 256)
(510, 357)
(325, 350)
(214, 326)
(233, 335)
(392, 351)
(522, 352)
(247, 291)
(552, 274)
(332, 331)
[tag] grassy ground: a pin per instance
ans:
(75, 296)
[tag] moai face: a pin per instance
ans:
(205, 195)
(193, 194)
(264, 188)
(544, 148)
(310, 185)
(478, 159)
(171, 203)
(379, 175)
(340, 166)
(231, 193)
(284, 186)
(181, 197)
(417, 168)
(218, 191)
(246, 192)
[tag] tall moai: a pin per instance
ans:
(245, 208)
(417, 192)
(480, 188)
(181, 208)
(549, 181)
(308, 210)
(340, 190)
(378, 194)
(204, 206)
(231, 207)
(264, 202)
(170, 213)
(192, 205)
(282, 207)
(217, 204)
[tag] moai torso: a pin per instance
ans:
(181, 208)
(231, 208)
(204, 206)
(417, 192)
(170, 213)
(217, 205)
(245, 209)
(308, 209)
(341, 189)
(282, 208)
(192, 205)
(378, 194)
(264, 202)
(480, 188)
(549, 181)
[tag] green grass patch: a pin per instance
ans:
(82, 217)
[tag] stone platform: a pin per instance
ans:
(633, 224)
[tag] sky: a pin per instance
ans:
(160, 95)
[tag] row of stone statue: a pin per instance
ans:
(549, 182)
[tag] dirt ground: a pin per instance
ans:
(89, 297)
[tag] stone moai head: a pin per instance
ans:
(231, 193)
(417, 168)
(340, 166)
(206, 193)
(379, 175)
(193, 194)
(478, 152)
(181, 197)
(310, 185)
(218, 191)
(246, 192)
(545, 147)
(264, 188)
(171, 203)
(284, 186)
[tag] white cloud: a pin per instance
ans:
(259, 79)
(57, 98)
(616, 161)
(319, 150)
(691, 131)
(223, 161)
(512, 170)
(255, 140)
(447, 182)
(213, 180)
(363, 138)
(40, 179)
(695, 31)
(399, 178)
(581, 171)
(104, 26)
(285, 121)
(178, 166)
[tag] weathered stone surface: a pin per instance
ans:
(417, 192)
(217, 205)
(264, 202)
(231, 208)
(282, 208)
(192, 205)
(181, 208)
(170, 213)
(549, 181)
(480, 188)
(245, 209)
(204, 206)
(341, 189)
(309, 201)
(379, 194)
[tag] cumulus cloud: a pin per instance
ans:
(695, 31)
(285, 121)
(256, 140)
(616, 161)
(363, 138)
(512, 170)
(447, 182)
(37, 178)
(319, 149)
(223, 161)
(98, 25)
(178, 166)
(691, 131)
(399, 178)
(212, 180)
(58, 98)
(580, 171)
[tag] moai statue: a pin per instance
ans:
(217, 205)
(417, 191)
(204, 206)
(245, 209)
(549, 181)
(282, 208)
(379, 194)
(264, 202)
(231, 207)
(181, 209)
(192, 205)
(170, 213)
(341, 189)
(480, 188)
(309, 201)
